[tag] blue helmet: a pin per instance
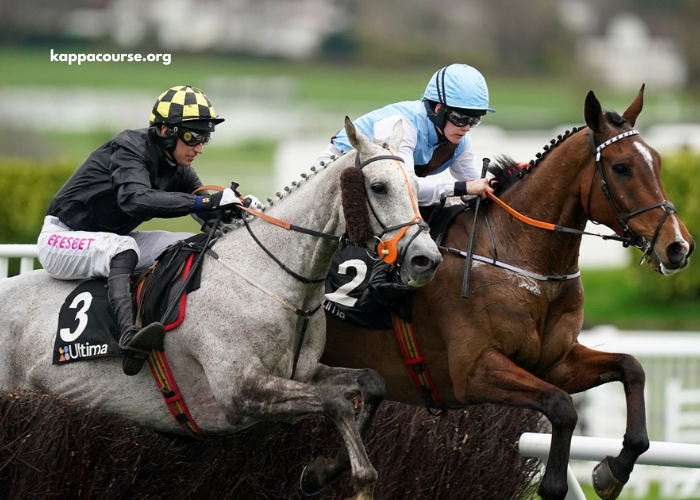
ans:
(457, 86)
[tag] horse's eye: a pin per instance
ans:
(379, 187)
(621, 169)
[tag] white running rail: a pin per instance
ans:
(26, 254)
(596, 449)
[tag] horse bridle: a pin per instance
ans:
(387, 250)
(630, 237)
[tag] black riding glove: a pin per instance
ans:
(384, 286)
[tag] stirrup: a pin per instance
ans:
(132, 363)
(145, 340)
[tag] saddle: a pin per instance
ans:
(161, 284)
(87, 328)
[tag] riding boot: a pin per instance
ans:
(136, 344)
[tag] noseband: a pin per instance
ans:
(630, 237)
(387, 250)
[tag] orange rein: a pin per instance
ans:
(521, 217)
(272, 220)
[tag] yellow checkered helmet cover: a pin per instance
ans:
(182, 104)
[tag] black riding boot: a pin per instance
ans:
(136, 344)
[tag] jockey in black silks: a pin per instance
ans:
(436, 139)
(137, 175)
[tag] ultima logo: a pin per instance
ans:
(75, 351)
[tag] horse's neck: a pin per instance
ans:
(551, 193)
(315, 204)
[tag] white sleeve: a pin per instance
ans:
(433, 188)
(384, 129)
(464, 168)
(428, 189)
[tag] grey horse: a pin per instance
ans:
(234, 355)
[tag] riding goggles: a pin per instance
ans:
(459, 119)
(192, 138)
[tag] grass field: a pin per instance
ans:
(612, 298)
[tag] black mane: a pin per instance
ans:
(506, 172)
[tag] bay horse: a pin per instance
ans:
(514, 340)
(249, 346)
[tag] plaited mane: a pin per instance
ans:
(508, 172)
(279, 195)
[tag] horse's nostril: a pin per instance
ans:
(676, 252)
(420, 261)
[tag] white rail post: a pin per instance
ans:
(26, 254)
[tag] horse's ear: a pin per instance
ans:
(592, 112)
(357, 138)
(635, 108)
(396, 136)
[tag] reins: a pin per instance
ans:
(548, 226)
(666, 205)
(630, 236)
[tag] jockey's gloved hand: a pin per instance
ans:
(384, 286)
(225, 198)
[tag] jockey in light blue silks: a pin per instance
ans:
(436, 133)
(436, 138)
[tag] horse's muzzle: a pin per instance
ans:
(419, 266)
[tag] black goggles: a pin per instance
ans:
(461, 119)
(192, 138)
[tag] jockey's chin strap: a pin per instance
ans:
(630, 237)
(387, 250)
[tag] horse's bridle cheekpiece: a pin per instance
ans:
(630, 237)
(387, 250)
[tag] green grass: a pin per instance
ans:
(611, 297)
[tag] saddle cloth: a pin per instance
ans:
(349, 276)
(87, 328)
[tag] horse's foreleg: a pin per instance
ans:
(496, 379)
(367, 384)
(583, 369)
(261, 396)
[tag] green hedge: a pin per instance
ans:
(26, 189)
(679, 175)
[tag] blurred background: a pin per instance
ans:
(284, 73)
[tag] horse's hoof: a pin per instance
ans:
(309, 483)
(607, 486)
